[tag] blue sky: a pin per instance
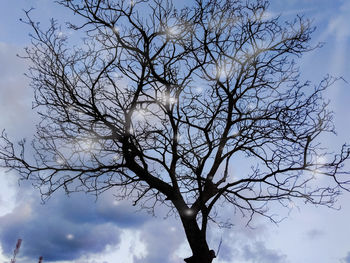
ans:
(84, 230)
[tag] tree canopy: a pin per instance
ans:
(161, 103)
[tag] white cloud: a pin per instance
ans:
(130, 247)
(338, 26)
(8, 185)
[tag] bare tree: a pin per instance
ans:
(159, 103)
(15, 252)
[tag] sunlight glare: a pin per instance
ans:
(116, 157)
(166, 99)
(178, 138)
(116, 29)
(173, 31)
(70, 236)
(189, 212)
(171, 100)
(60, 160)
(319, 163)
(198, 89)
(251, 107)
(86, 145)
(139, 114)
(221, 72)
(291, 205)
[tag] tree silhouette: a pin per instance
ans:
(160, 103)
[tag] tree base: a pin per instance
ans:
(201, 259)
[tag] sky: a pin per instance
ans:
(81, 229)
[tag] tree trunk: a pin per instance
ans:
(197, 241)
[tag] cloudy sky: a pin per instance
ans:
(84, 230)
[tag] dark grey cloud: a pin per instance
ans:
(67, 228)
(103, 210)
